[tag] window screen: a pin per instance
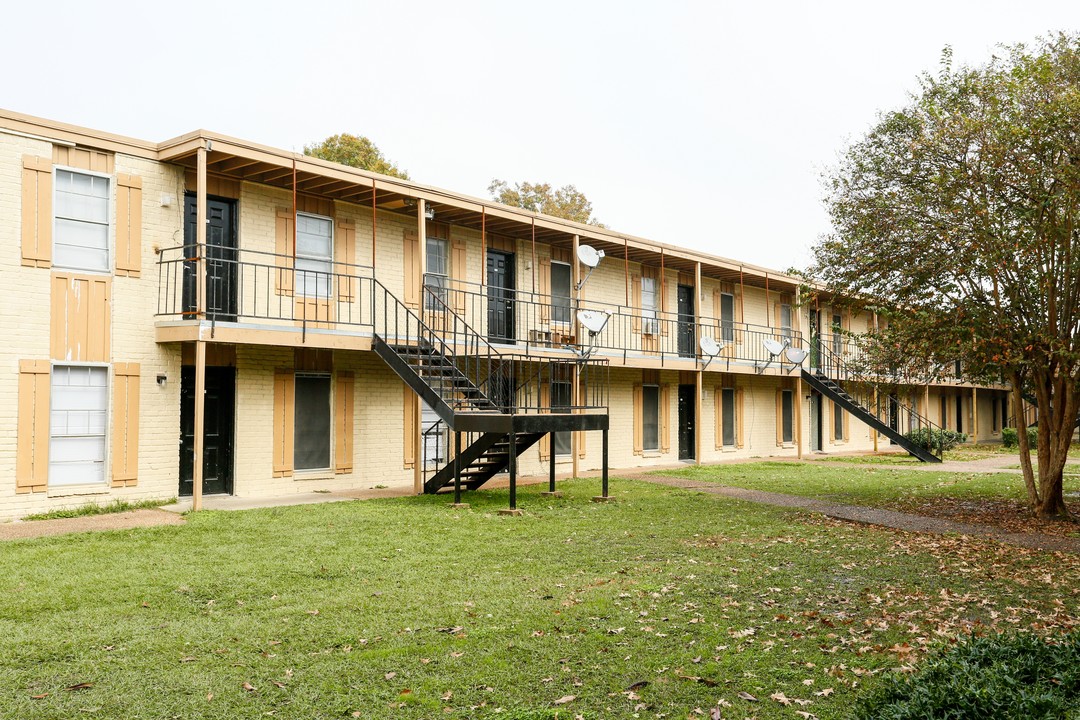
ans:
(438, 270)
(838, 422)
(560, 292)
(785, 320)
(560, 402)
(311, 438)
(82, 221)
(314, 255)
(650, 397)
(80, 404)
(648, 305)
(727, 317)
(727, 401)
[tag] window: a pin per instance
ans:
(560, 403)
(650, 435)
(995, 423)
(314, 255)
(787, 416)
(838, 422)
(649, 322)
(959, 414)
(943, 412)
(311, 433)
(437, 279)
(727, 317)
(837, 338)
(81, 236)
(80, 405)
(560, 292)
(785, 320)
(727, 403)
(1005, 411)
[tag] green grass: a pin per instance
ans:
(115, 506)
(659, 605)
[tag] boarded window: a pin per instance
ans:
(81, 230)
(311, 439)
(79, 408)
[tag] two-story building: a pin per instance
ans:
(346, 329)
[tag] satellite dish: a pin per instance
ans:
(593, 320)
(796, 355)
(773, 346)
(709, 346)
(589, 256)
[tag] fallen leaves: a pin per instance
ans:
(248, 687)
(565, 699)
(80, 686)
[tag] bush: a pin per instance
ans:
(1010, 438)
(1001, 677)
(936, 439)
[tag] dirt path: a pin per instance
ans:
(875, 516)
(88, 523)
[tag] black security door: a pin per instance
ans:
(217, 429)
(686, 320)
(221, 276)
(686, 422)
(500, 278)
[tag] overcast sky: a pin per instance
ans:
(702, 124)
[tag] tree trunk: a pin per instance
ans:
(1057, 412)
(1022, 439)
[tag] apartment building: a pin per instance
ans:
(347, 329)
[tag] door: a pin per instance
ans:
(221, 258)
(816, 403)
(685, 296)
(217, 429)
(686, 422)
(500, 279)
(894, 416)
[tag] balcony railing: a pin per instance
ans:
(534, 321)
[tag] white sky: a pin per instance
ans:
(701, 124)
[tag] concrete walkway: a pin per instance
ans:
(876, 516)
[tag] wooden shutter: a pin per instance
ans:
(739, 413)
(410, 427)
(284, 416)
(128, 225)
(345, 259)
(635, 301)
(411, 266)
(459, 273)
(283, 245)
(37, 211)
(125, 426)
(665, 418)
(718, 409)
(32, 455)
(545, 406)
(343, 423)
(639, 442)
(544, 275)
(79, 322)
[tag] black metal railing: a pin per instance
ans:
(533, 321)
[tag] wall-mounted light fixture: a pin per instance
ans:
(162, 379)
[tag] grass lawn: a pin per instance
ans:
(663, 605)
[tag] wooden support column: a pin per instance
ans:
(699, 374)
(926, 403)
(798, 414)
(575, 390)
(200, 422)
(421, 255)
(876, 414)
(200, 345)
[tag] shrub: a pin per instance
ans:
(1010, 438)
(936, 439)
(1001, 677)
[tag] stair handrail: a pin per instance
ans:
(840, 372)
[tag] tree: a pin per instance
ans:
(566, 202)
(356, 151)
(958, 216)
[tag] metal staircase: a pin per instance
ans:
(828, 375)
(498, 403)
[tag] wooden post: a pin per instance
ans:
(876, 414)
(926, 404)
(421, 236)
(200, 420)
(575, 390)
(798, 408)
(698, 375)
